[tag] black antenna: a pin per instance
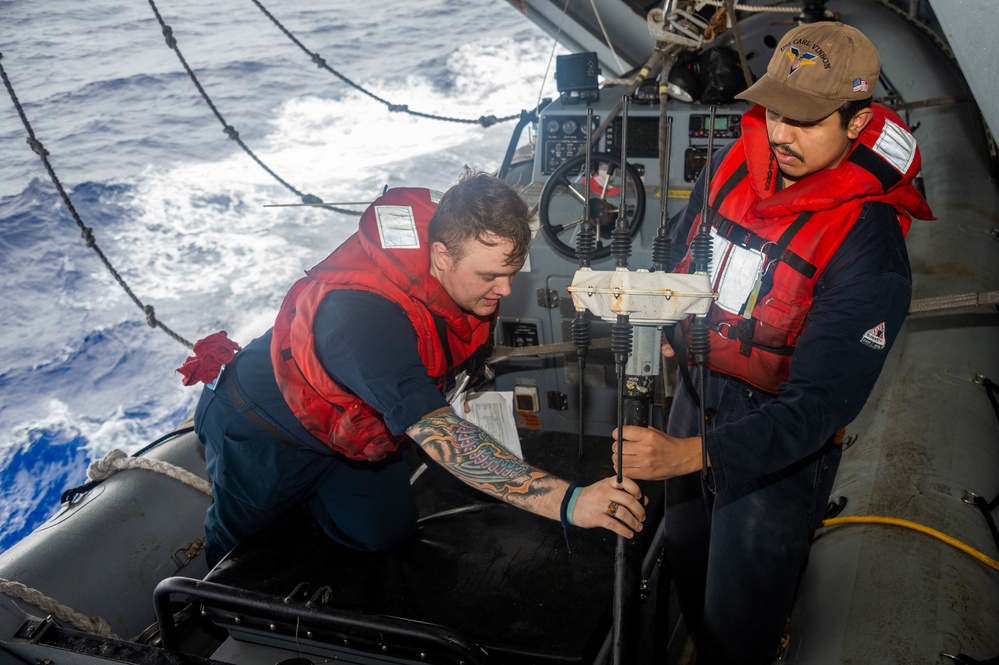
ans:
(585, 246)
(621, 235)
(621, 345)
(700, 252)
(662, 245)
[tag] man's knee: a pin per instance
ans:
(382, 539)
(364, 531)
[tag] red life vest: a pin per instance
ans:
(770, 247)
(388, 256)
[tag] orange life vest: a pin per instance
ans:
(388, 256)
(769, 247)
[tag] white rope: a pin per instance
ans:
(117, 460)
(607, 39)
(95, 625)
(784, 9)
(551, 56)
(102, 469)
(958, 301)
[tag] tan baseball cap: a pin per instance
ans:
(816, 68)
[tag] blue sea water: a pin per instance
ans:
(179, 209)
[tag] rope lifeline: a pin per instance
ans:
(229, 130)
(117, 460)
(956, 301)
(94, 625)
(484, 121)
(85, 231)
(100, 470)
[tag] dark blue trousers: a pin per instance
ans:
(256, 480)
(736, 556)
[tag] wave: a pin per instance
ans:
(180, 210)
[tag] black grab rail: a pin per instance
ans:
(311, 616)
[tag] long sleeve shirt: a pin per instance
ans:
(860, 304)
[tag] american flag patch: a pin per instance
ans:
(860, 85)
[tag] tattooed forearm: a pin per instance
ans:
(475, 458)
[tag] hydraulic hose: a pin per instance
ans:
(894, 521)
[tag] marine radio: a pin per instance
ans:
(562, 136)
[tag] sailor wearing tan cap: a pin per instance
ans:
(809, 212)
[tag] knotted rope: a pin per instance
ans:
(99, 470)
(95, 625)
(116, 461)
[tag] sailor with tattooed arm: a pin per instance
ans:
(366, 354)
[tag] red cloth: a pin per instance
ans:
(210, 354)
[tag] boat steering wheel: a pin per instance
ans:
(568, 190)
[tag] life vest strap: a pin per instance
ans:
(737, 176)
(441, 326)
(868, 160)
(775, 251)
(471, 365)
(739, 333)
(248, 409)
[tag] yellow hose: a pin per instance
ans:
(874, 519)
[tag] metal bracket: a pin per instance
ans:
(547, 298)
(558, 401)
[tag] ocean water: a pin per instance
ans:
(179, 209)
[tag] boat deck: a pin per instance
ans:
(479, 578)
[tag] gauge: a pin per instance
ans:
(570, 127)
(647, 93)
(551, 126)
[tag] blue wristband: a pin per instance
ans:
(571, 505)
(565, 511)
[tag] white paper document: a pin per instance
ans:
(491, 412)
